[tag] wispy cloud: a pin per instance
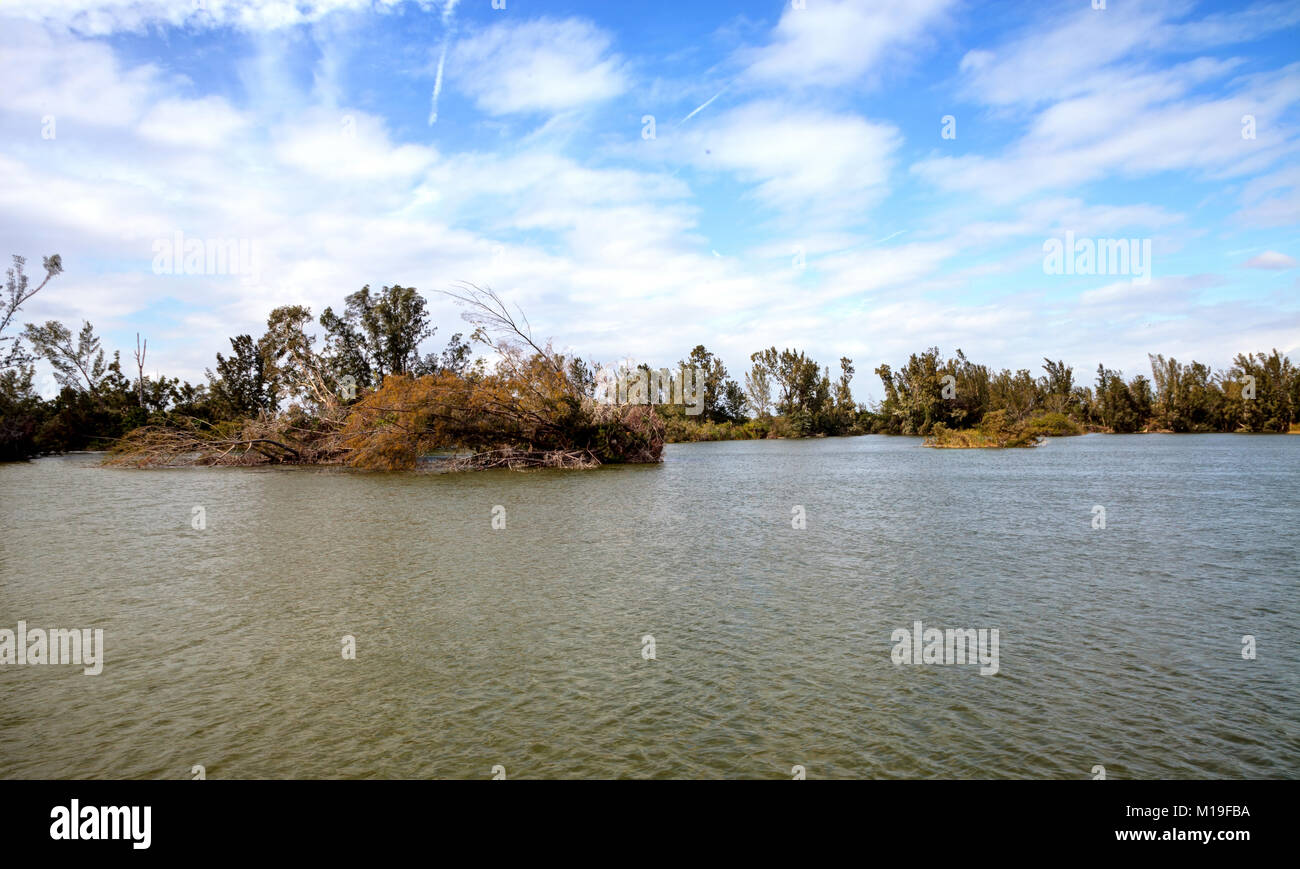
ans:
(1270, 259)
(541, 65)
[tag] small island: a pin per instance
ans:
(995, 430)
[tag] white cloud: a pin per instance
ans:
(1089, 138)
(1081, 46)
(1270, 259)
(101, 17)
(836, 42)
(806, 163)
(1272, 199)
(1098, 99)
(73, 80)
(541, 65)
(347, 146)
(210, 122)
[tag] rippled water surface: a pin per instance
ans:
(523, 647)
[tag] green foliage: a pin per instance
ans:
(724, 400)
(1052, 424)
(1000, 429)
(21, 414)
(240, 386)
(1177, 397)
(804, 394)
(78, 366)
(378, 334)
(1272, 409)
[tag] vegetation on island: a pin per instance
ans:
(957, 403)
(1259, 393)
(367, 397)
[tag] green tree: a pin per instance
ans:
(292, 368)
(378, 333)
(1273, 376)
(914, 399)
(240, 385)
(1118, 410)
(79, 366)
(22, 413)
(1057, 386)
(715, 382)
(734, 402)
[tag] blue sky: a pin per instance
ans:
(797, 189)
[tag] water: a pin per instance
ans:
(522, 647)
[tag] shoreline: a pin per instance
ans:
(428, 463)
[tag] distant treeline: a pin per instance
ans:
(788, 394)
(369, 397)
(1260, 392)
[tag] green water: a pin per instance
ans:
(522, 646)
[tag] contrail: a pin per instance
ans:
(448, 8)
(701, 108)
(437, 85)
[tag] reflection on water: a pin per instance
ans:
(522, 646)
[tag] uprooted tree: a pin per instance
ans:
(531, 408)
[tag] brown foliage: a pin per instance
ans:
(288, 439)
(526, 412)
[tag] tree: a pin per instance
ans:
(843, 394)
(16, 293)
(758, 387)
(240, 387)
(913, 395)
(1186, 397)
(293, 369)
(21, 413)
(1118, 409)
(1272, 376)
(796, 376)
(971, 394)
(733, 402)
(140, 352)
(1139, 390)
(79, 367)
(1017, 394)
(458, 354)
(378, 334)
(1057, 387)
(715, 382)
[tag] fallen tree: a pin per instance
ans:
(531, 409)
(264, 440)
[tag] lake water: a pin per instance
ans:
(523, 647)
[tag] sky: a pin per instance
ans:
(862, 179)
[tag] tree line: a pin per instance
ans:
(1259, 392)
(367, 394)
(786, 393)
